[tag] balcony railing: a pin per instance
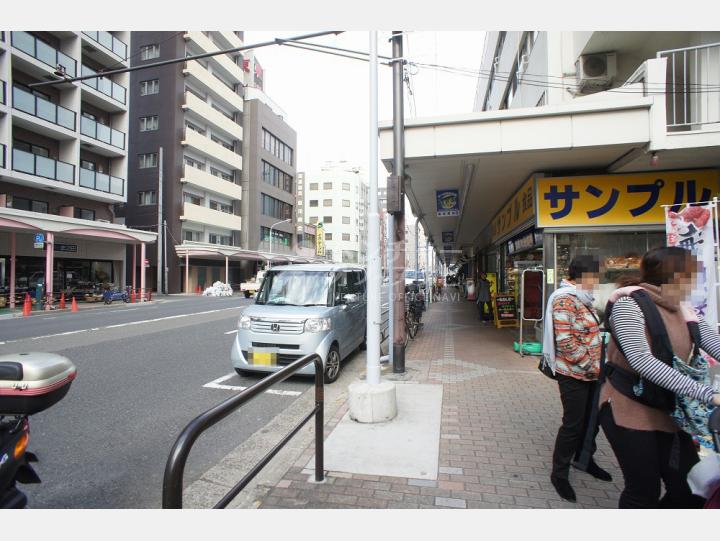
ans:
(103, 133)
(692, 82)
(110, 42)
(101, 182)
(32, 164)
(46, 54)
(33, 105)
(104, 85)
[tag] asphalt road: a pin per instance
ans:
(105, 445)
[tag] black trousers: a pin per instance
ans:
(481, 310)
(644, 458)
(576, 397)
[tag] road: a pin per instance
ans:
(143, 374)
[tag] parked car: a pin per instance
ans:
(304, 309)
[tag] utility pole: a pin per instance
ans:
(398, 276)
(159, 243)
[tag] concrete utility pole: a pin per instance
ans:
(398, 277)
(158, 245)
(373, 401)
(390, 234)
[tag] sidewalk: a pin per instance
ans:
(498, 426)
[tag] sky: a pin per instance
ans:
(326, 97)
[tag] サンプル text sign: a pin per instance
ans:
(626, 199)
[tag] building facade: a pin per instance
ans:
(64, 163)
(336, 196)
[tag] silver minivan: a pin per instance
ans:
(303, 309)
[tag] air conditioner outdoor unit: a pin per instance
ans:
(595, 71)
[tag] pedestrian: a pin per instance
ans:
(572, 348)
(648, 444)
(483, 298)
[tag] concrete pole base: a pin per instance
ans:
(372, 403)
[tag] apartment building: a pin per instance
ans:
(336, 195)
(193, 110)
(64, 163)
(306, 233)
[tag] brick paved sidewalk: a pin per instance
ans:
(499, 421)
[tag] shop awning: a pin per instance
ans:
(23, 221)
(219, 252)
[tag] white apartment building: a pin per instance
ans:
(336, 195)
(63, 162)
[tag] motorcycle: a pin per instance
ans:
(29, 383)
(110, 295)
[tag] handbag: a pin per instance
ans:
(690, 414)
(545, 368)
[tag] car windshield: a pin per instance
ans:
(296, 288)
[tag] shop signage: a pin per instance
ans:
(320, 240)
(448, 202)
(631, 199)
(519, 210)
(66, 247)
(505, 308)
(448, 236)
(526, 242)
(39, 240)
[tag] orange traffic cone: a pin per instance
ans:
(73, 306)
(62, 301)
(27, 306)
(198, 290)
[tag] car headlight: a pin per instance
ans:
(244, 322)
(318, 324)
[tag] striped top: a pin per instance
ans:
(628, 324)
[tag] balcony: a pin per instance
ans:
(101, 182)
(208, 216)
(211, 183)
(3, 150)
(109, 89)
(692, 80)
(232, 39)
(100, 132)
(211, 149)
(227, 67)
(3, 92)
(43, 52)
(230, 127)
(109, 42)
(40, 166)
(46, 110)
(200, 76)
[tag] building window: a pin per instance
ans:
(148, 52)
(349, 256)
(279, 237)
(148, 160)
(327, 202)
(192, 236)
(193, 127)
(192, 199)
(313, 220)
(328, 236)
(275, 208)
(346, 186)
(346, 220)
(222, 207)
(21, 203)
(328, 254)
(313, 202)
(149, 87)
(314, 186)
(345, 202)
(194, 163)
(148, 123)
(346, 236)
(215, 238)
(219, 141)
(84, 214)
(221, 174)
(147, 198)
(277, 148)
(86, 164)
(327, 219)
(275, 177)
(327, 185)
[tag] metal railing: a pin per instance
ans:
(692, 86)
(175, 467)
(101, 182)
(101, 132)
(104, 85)
(40, 50)
(33, 164)
(33, 105)
(108, 41)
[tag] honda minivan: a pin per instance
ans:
(304, 309)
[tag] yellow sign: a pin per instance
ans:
(517, 211)
(631, 199)
(319, 241)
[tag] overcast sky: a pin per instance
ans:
(326, 97)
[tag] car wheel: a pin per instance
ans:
(332, 365)
(247, 294)
(126, 299)
(244, 373)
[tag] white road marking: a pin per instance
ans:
(116, 326)
(218, 384)
(231, 332)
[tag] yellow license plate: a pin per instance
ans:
(264, 358)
